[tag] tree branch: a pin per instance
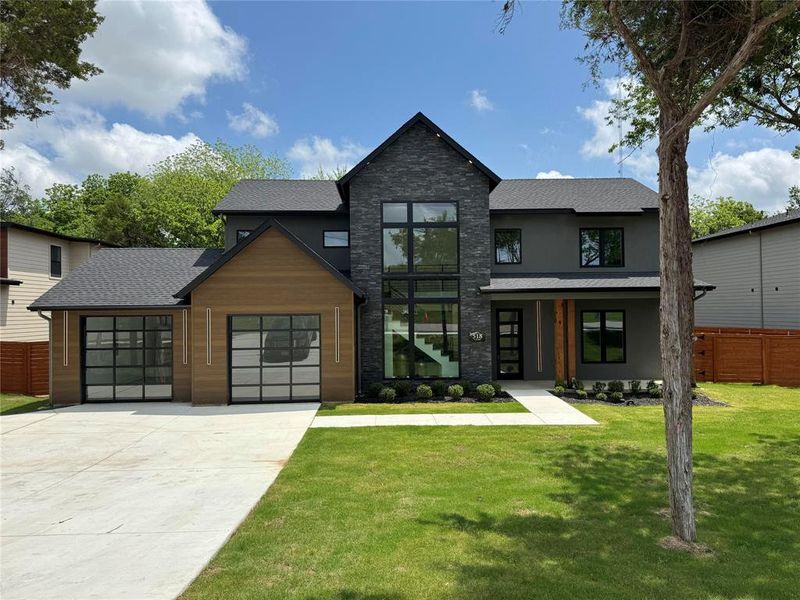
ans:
(683, 44)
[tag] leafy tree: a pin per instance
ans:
(334, 174)
(794, 191)
(684, 59)
(710, 216)
(39, 50)
(16, 202)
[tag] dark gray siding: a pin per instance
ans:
(550, 242)
(421, 166)
(307, 227)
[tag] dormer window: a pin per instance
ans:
(602, 247)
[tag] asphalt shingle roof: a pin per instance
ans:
(610, 195)
(281, 195)
(552, 282)
(784, 218)
(118, 277)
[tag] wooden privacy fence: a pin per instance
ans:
(729, 354)
(24, 368)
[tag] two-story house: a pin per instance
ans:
(420, 263)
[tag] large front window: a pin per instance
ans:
(603, 336)
(420, 290)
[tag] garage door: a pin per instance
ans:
(274, 358)
(127, 358)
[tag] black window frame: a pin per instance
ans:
(242, 233)
(325, 243)
(602, 258)
(603, 355)
(56, 261)
(507, 230)
(410, 225)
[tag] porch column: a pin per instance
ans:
(558, 336)
(571, 363)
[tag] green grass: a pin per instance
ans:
(11, 404)
(517, 513)
(413, 408)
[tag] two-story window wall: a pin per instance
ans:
(421, 303)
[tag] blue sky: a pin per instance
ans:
(323, 83)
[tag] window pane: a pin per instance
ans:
(305, 339)
(305, 375)
(436, 288)
(99, 392)
(158, 356)
(274, 393)
(277, 339)
(614, 337)
(154, 392)
(154, 375)
(99, 358)
(99, 340)
(435, 250)
(395, 250)
(508, 246)
(395, 288)
(158, 322)
(129, 392)
(245, 358)
(395, 212)
(129, 323)
(102, 376)
(241, 234)
(242, 323)
(510, 341)
(128, 375)
(590, 334)
(436, 340)
(434, 212)
(305, 322)
(612, 247)
(276, 356)
(508, 316)
(275, 374)
(305, 392)
(158, 339)
(305, 356)
(129, 339)
(590, 247)
(395, 341)
(245, 394)
(246, 376)
(336, 239)
(245, 339)
(275, 322)
(99, 323)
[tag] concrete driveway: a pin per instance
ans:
(131, 500)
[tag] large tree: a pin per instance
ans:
(686, 58)
(40, 49)
(710, 216)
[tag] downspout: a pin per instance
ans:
(49, 356)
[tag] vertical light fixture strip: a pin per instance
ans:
(539, 336)
(208, 336)
(336, 331)
(66, 339)
(185, 338)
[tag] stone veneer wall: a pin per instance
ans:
(419, 165)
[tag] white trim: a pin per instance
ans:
(208, 336)
(336, 331)
(185, 338)
(66, 339)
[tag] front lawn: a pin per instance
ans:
(527, 512)
(413, 408)
(11, 404)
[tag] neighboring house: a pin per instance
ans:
(419, 264)
(756, 271)
(31, 262)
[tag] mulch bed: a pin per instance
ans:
(502, 398)
(640, 400)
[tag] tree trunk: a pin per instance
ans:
(677, 322)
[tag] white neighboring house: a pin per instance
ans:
(31, 262)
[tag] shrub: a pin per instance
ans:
(559, 382)
(387, 394)
(424, 392)
(616, 386)
(455, 391)
(582, 394)
(601, 396)
(616, 396)
(651, 384)
(485, 392)
(558, 390)
(467, 386)
(403, 388)
(498, 389)
(374, 390)
(655, 392)
(577, 384)
(635, 386)
(439, 388)
(598, 387)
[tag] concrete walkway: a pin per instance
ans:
(131, 501)
(543, 407)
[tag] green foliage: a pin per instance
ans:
(601, 396)
(40, 48)
(558, 390)
(332, 175)
(498, 389)
(374, 390)
(485, 392)
(635, 385)
(424, 392)
(577, 384)
(439, 388)
(651, 384)
(654, 392)
(455, 391)
(582, 394)
(559, 383)
(617, 396)
(616, 385)
(403, 388)
(467, 386)
(387, 394)
(598, 386)
(710, 216)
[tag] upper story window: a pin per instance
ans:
(602, 247)
(420, 237)
(507, 246)
(55, 261)
(336, 239)
(241, 234)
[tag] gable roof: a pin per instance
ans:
(244, 243)
(281, 195)
(128, 277)
(343, 182)
(62, 236)
(590, 195)
(784, 218)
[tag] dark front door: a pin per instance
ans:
(509, 343)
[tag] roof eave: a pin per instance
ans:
(49, 307)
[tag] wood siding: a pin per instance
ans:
(271, 276)
(66, 387)
(23, 368)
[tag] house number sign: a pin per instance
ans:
(477, 336)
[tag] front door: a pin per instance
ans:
(509, 343)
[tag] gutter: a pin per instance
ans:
(49, 356)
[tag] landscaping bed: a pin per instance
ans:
(700, 399)
(502, 405)
(618, 393)
(439, 391)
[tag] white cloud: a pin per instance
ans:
(321, 153)
(156, 55)
(552, 175)
(253, 121)
(67, 147)
(480, 101)
(761, 177)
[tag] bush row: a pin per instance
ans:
(614, 389)
(484, 392)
